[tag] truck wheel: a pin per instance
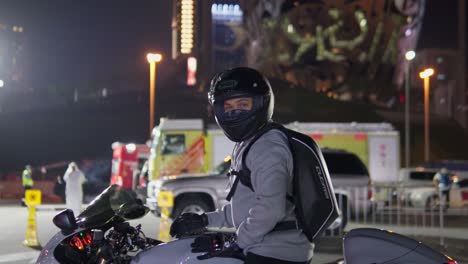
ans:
(338, 226)
(192, 205)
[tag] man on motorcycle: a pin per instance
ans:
(243, 102)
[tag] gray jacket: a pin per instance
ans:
(254, 214)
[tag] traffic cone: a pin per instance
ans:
(31, 230)
(164, 225)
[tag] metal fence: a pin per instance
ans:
(415, 210)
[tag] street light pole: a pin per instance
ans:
(152, 58)
(409, 56)
(152, 93)
(425, 75)
(426, 119)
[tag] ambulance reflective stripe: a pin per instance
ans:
(192, 160)
(195, 153)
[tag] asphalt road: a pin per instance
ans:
(13, 221)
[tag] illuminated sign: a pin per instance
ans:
(191, 71)
(225, 11)
(187, 23)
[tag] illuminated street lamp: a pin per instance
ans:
(152, 58)
(425, 75)
(409, 56)
(2, 83)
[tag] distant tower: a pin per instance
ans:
(209, 31)
(462, 107)
(12, 48)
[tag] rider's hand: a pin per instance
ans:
(233, 251)
(188, 223)
(209, 242)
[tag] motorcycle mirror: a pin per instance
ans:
(65, 220)
(132, 211)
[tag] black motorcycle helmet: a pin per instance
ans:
(239, 125)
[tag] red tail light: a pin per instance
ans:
(87, 239)
(81, 240)
(464, 196)
(369, 194)
(76, 243)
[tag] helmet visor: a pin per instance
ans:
(237, 108)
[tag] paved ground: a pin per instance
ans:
(13, 223)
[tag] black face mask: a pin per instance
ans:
(237, 114)
(239, 124)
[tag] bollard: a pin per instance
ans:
(32, 198)
(165, 202)
(390, 204)
(407, 197)
(376, 203)
(365, 194)
(398, 201)
(441, 219)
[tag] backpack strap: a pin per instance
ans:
(244, 174)
(236, 181)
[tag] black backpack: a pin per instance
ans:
(313, 196)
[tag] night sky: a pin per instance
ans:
(74, 40)
(440, 25)
(71, 41)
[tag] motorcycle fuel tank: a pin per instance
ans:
(177, 252)
(370, 245)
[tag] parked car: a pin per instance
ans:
(417, 187)
(351, 180)
(428, 197)
(459, 194)
(416, 177)
(206, 192)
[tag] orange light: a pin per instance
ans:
(88, 239)
(360, 137)
(76, 242)
(154, 57)
(426, 73)
(317, 136)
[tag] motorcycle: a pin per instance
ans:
(101, 234)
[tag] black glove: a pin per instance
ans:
(188, 224)
(210, 242)
(233, 251)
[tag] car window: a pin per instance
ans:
(422, 175)
(344, 163)
(173, 144)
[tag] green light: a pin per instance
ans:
(81, 234)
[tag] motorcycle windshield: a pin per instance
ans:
(109, 204)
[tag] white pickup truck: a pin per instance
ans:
(207, 192)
